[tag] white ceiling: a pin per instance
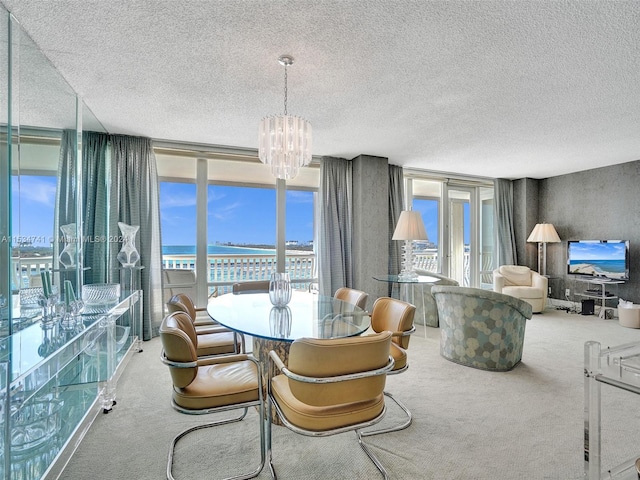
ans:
(487, 88)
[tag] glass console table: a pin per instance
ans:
(619, 367)
(405, 290)
(54, 379)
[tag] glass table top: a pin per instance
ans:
(307, 315)
(35, 347)
(395, 279)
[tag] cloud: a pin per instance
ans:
(177, 201)
(225, 212)
(214, 196)
(34, 189)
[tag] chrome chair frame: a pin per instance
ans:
(272, 403)
(244, 406)
(402, 406)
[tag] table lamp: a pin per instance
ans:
(409, 228)
(543, 233)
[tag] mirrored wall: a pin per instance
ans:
(42, 119)
(46, 388)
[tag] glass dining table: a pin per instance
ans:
(307, 315)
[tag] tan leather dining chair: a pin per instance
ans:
(331, 386)
(213, 339)
(259, 286)
(352, 296)
(211, 385)
(331, 323)
(181, 280)
(395, 316)
(185, 301)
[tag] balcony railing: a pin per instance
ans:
(428, 261)
(27, 267)
(225, 270)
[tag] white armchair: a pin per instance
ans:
(523, 283)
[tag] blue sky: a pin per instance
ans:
(32, 208)
(235, 214)
(429, 211)
(597, 251)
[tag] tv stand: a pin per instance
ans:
(597, 289)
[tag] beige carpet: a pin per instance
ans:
(468, 423)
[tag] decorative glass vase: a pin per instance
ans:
(128, 255)
(67, 257)
(280, 289)
(280, 322)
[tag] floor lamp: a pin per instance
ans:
(543, 233)
(410, 227)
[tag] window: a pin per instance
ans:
(458, 217)
(178, 224)
(426, 199)
(238, 207)
(33, 199)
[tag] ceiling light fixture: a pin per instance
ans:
(284, 141)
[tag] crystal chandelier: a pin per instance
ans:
(284, 141)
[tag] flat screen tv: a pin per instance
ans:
(607, 259)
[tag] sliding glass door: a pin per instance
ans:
(469, 234)
(460, 234)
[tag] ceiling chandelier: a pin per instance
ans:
(284, 141)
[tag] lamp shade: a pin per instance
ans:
(410, 227)
(544, 233)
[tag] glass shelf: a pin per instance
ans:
(619, 367)
(624, 471)
(52, 376)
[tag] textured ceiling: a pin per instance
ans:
(491, 88)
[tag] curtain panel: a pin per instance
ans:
(137, 198)
(336, 225)
(503, 191)
(98, 218)
(119, 184)
(66, 193)
(396, 205)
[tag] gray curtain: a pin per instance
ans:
(396, 205)
(135, 196)
(503, 191)
(99, 220)
(66, 192)
(336, 225)
(120, 183)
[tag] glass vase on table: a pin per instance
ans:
(280, 289)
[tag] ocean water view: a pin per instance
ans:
(603, 266)
(216, 250)
(611, 268)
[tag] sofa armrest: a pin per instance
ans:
(540, 281)
(498, 282)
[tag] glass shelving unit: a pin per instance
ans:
(619, 367)
(55, 379)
